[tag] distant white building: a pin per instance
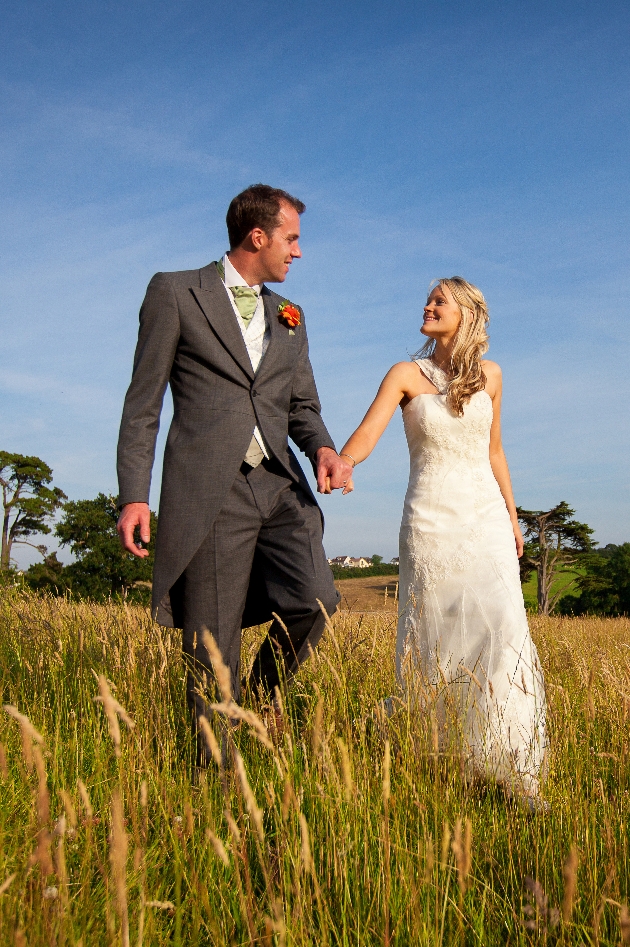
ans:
(395, 561)
(348, 562)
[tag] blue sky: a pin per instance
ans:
(488, 140)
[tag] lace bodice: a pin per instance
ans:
(450, 481)
(438, 437)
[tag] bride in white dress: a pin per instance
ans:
(464, 649)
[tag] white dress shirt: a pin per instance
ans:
(256, 334)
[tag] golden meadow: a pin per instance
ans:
(352, 830)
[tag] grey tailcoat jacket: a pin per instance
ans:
(189, 338)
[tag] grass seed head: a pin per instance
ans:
(316, 737)
(446, 841)
(189, 819)
(28, 734)
(248, 795)
(42, 856)
(118, 848)
(211, 740)
(70, 811)
(461, 846)
(569, 873)
(346, 770)
(85, 799)
(6, 884)
(386, 773)
(218, 846)
(221, 670)
(43, 796)
(307, 858)
(429, 860)
(233, 827)
(113, 710)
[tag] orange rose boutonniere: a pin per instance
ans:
(290, 315)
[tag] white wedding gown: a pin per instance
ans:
(464, 646)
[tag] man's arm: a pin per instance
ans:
(155, 351)
(308, 431)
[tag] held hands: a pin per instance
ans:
(333, 472)
(134, 514)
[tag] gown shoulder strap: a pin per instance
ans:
(435, 375)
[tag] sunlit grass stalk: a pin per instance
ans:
(118, 847)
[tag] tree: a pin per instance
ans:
(46, 576)
(28, 501)
(376, 560)
(102, 568)
(604, 588)
(554, 542)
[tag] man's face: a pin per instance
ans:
(277, 252)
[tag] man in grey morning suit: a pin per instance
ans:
(239, 530)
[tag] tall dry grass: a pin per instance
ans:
(353, 830)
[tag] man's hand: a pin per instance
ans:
(134, 514)
(333, 472)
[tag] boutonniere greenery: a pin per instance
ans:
(290, 315)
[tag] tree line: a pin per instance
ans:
(101, 568)
(573, 577)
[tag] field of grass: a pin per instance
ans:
(347, 833)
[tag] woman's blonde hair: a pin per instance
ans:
(471, 342)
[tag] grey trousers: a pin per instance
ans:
(263, 554)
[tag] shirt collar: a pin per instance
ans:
(233, 277)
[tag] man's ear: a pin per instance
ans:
(258, 238)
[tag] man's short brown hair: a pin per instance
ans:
(257, 206)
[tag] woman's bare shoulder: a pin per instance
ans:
(492, 370)
(404, 368)
(492, 373)
(409, 379)
(403, 374)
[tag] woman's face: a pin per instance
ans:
(442, 315)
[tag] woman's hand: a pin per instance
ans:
(518, 536)
(349, 487)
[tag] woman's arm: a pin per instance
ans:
(498, 461)
(399, 383)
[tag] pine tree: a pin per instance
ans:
(554, 542)
(28, 502)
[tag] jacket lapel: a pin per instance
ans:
(275, 347)
(216, 307)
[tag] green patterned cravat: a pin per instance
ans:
(246, 300)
